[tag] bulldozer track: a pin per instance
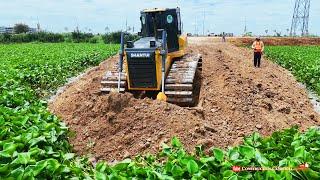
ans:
(109, 81)
(180, 82)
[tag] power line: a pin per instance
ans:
(300, 19)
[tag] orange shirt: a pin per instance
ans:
(258, 46)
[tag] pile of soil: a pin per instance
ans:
(275, 41)
(235, 100)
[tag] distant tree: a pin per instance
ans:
(266, 31)
(20, 28)
(114, 37)
(5, 38)
(277, 34)
(78, 36)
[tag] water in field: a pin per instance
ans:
(313, 97)
(315, 100)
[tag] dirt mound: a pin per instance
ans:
(273, 41)
(116, 126)
(235, 100)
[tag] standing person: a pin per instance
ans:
(223, 37)
(258, 48)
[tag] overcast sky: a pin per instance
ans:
(218, 15)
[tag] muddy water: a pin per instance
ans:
(315, 100)
(313, 97)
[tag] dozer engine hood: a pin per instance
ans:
(145, 43)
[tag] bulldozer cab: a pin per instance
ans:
(153, 21)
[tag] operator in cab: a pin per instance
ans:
(258, 48)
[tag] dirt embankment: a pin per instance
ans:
(236, 100)
(274, 41)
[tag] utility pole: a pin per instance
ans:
(126, 24)
(245, 26)
(38, 25)
(195, 25)
(300, 18)
(203, 22)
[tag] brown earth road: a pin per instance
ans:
(236, 100)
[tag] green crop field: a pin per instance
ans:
(45, 67)
(303, 61)
(34, 143)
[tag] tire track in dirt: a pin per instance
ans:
(250, 99)
(235, 100)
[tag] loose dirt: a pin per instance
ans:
(236, 99)
(276, 41)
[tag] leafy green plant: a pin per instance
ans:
(33, 142)
(302, 61)
(45, 67)
(288, 148)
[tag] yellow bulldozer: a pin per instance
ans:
(157, 63)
